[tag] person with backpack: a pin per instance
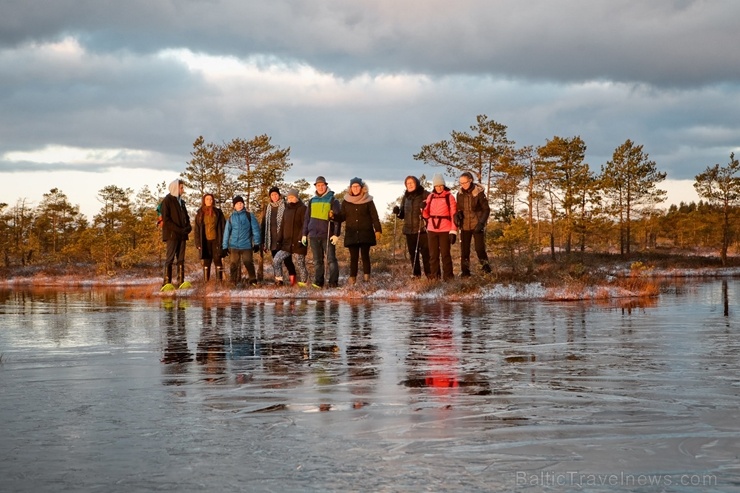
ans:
(241, 239)
(438, 212)
(322, 233)
(289, 241)
(209, 234)
(175, 230)
(473, 212)
(362, 228)
(413, 226)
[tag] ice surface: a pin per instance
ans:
(102, 393)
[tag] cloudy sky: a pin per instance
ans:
(102, 92)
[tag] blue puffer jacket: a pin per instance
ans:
(242, 231)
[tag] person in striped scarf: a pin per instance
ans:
(272, 220)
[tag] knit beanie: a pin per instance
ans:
(438, 179)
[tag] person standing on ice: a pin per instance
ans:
(322, 233)
(289, 241)
(439, 210)
(413, 225)
(209, 234)
(242, 239)
(175, 230)
(271, 223)
(362, 228)
(473, 211)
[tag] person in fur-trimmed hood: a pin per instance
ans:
(472, 205)
(440, 208)
(362, 228)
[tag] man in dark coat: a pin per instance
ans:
(472, 205)
(175, 230)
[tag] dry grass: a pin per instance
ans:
(599, 274)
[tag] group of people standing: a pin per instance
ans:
(432, 222)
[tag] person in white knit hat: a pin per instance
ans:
(441, 230)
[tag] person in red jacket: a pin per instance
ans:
(441, 230)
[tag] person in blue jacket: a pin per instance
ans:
(241, 239)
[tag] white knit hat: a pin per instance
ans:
(438, 179)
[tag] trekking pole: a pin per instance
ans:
(418, 238)
(327, 269)
(394, 237)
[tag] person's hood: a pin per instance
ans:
(174, 188)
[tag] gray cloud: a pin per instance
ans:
(663, 73)
(665, 43)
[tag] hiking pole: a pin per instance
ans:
(416, 253)
(394, 237)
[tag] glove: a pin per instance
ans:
(378, 234)
(224, 252)
(453, 237)
(256, 249)
(334, 240)
(331, 215)
(479, 228)
(396, 210)
(458, 219)
(304, 241)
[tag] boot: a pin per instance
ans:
(278, 281)
(167, 275)
(292, 280)
(366, 277)
(351, 280)
(207, 273)
(180, 274)
(219, 274)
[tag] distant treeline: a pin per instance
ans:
(543, 199)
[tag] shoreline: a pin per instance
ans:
(618, 284)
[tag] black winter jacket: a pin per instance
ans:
(361, 221)
(291, 229)
(411, 205)
(175, 219)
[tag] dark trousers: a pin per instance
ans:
(480, 250)
(206, 254)
(319, 247)
(421, 257)
(440, 248)
(175, 252)
(239, 257)
(354, 259)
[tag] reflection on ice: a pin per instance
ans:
(99, 392)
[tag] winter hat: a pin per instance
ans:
(238, 198)
(293, 193)
(274, 189)
(355, 180)
(438, 179)
(320, 179)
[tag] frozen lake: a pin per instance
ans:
(103, 393)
